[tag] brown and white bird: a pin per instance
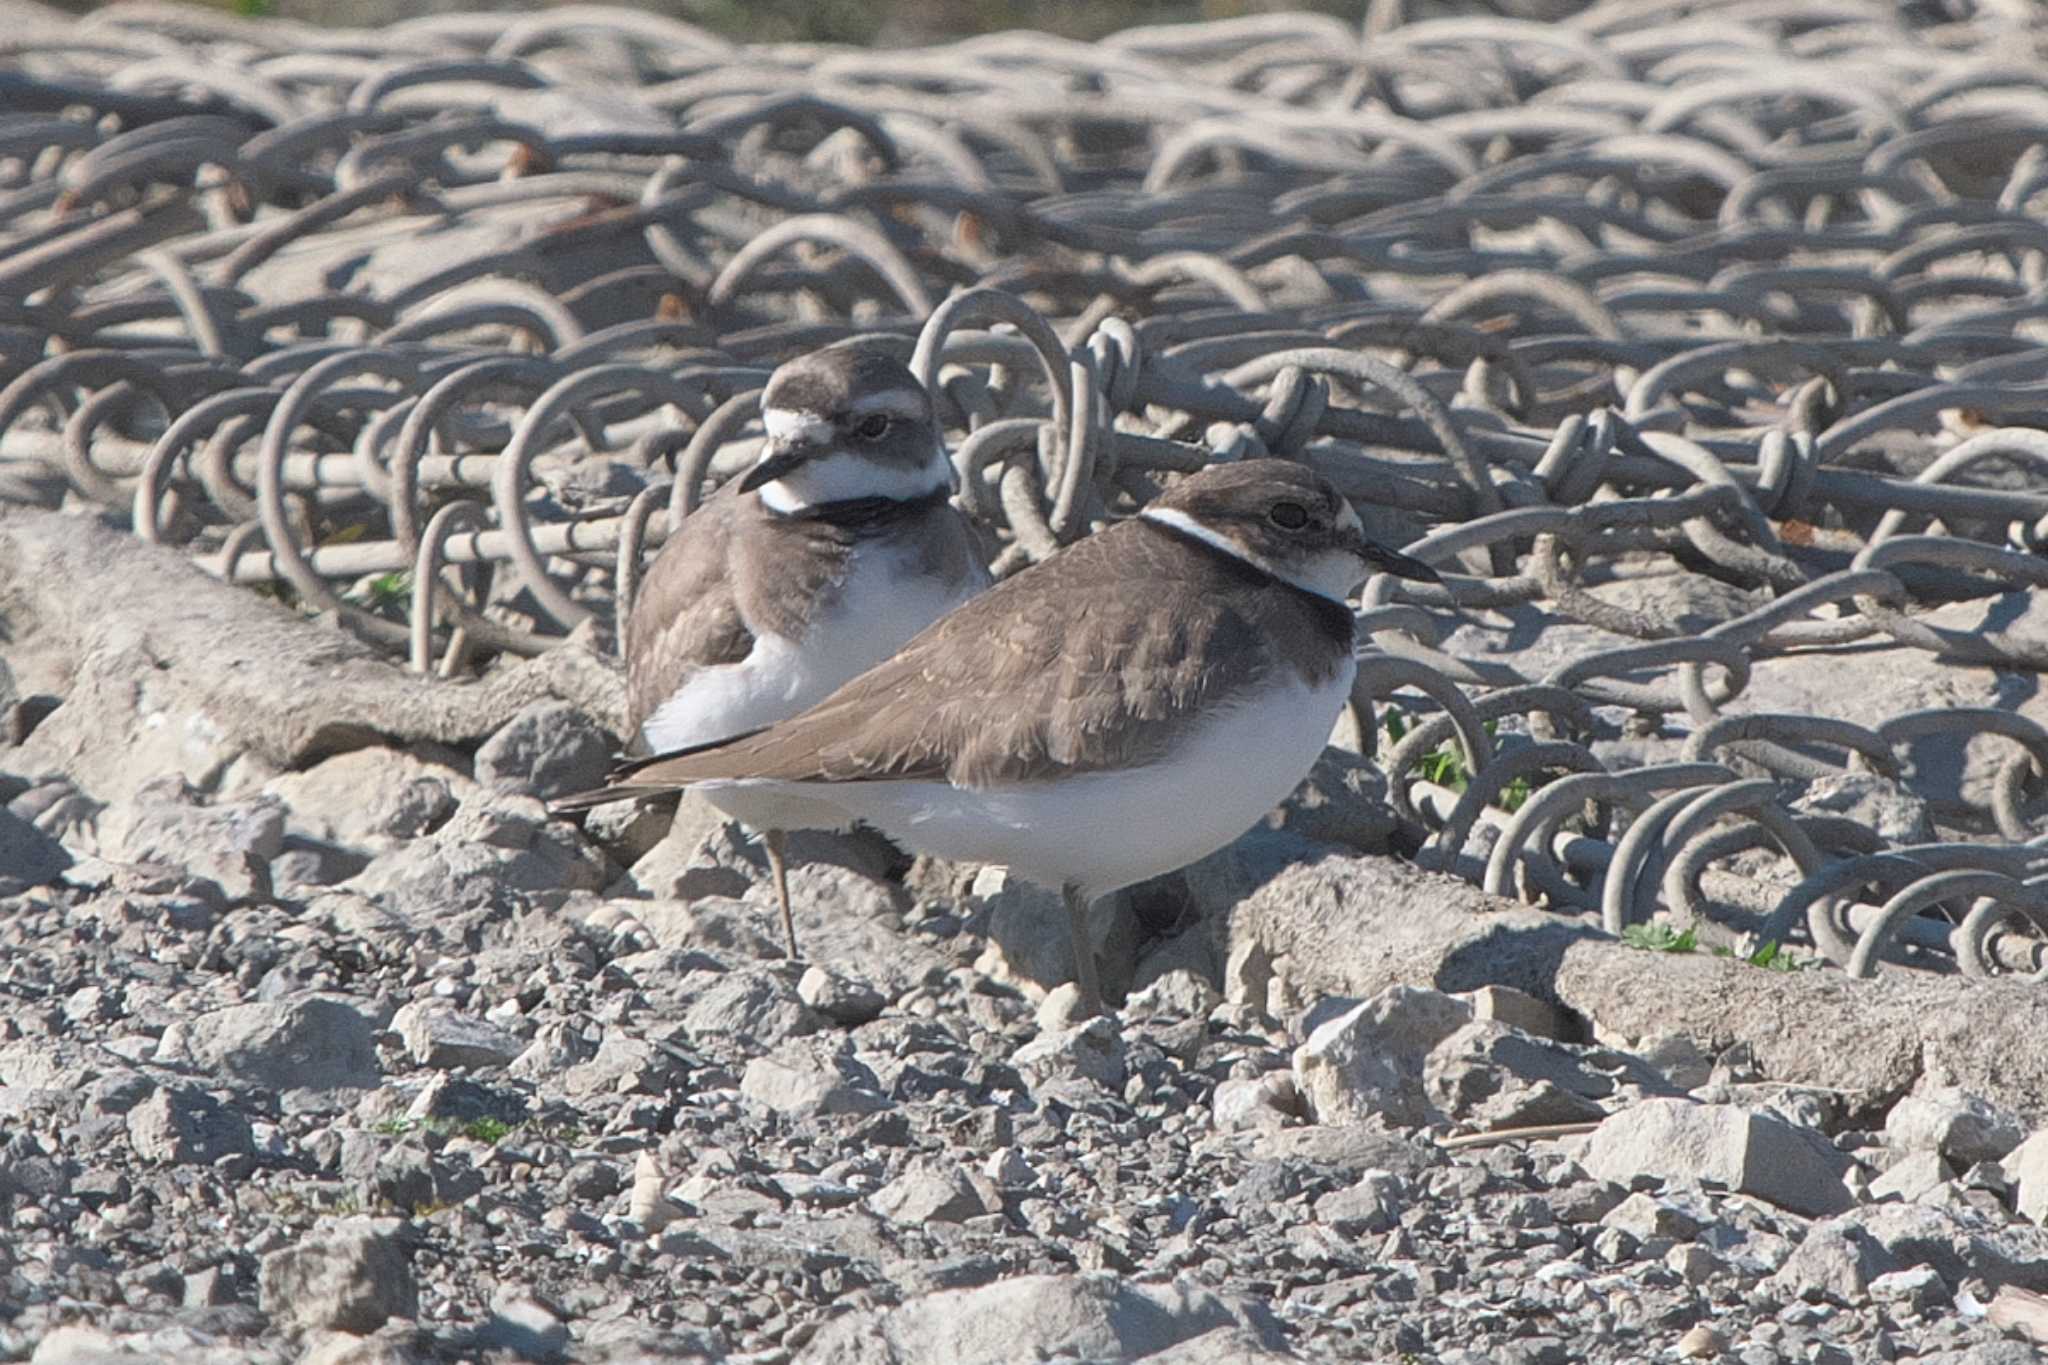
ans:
(1128, 706)
(813, 566)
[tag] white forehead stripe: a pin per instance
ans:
(1320, 577)
(794, 426)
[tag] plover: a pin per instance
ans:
(819, 562)
(1128, 706)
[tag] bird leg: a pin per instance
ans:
(1084, 952)
(771, 839)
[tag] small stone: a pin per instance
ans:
(442, 1038)
(1962, 1127)
(1701, 1342)
(1643, 1216)
(1030, 944)
(1518, 1009)
(1837, 1259)
(316, 1043)
(935, 1191)
(1266, 1101)
(1917, 1288)
(1177, 993)
(758, 1004)
(28, 856)
(1912, 1176)
(845, 1002)
(524, 1326)
(807, 1078)
(352, 1277)
(1062, 1008)
(1093, 1051)
(2026, 1166)
(1612, 1246)
(1009, 1169)
(186, 1127)
(1368, 1206)
(548, 750)
(1693, 1263)
(1368, 1061)
(1737, 1149)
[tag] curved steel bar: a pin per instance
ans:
(1934, 889)
(856, 239)
(1528, 830)
(509, 475)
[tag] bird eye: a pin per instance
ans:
(1289, 516)
(873, 426)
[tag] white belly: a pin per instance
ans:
(1100, 831)
(880, 606)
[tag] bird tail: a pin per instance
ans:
(619, 785)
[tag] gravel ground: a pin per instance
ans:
(320, 1041)
(500, 1092)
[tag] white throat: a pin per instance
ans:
(844, 475)
(1333, 574)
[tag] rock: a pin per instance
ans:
(442, 1038)
(1837, 1259)
(351, 1276)
(491, 846)
(1917, 1289)
(179, 673)
(411, 1179)
(316, 1043)
(548, 750)
(1030, 945)
(525, 1326)
(382, 1348)
(184, 1127)
(1693, 1263)
(1062, 1008)
(1501, 1077)
(1964, 1128)
(1091, 1051)
(28, 856)
(1912, 1176)
(1351, 927)
(845, 1002)
(1342, 802)
(1644, 1216)
(1368, 1061)
(1677, 1140)
(1518, 1010)
(755, 1003)
(1700, 1342)
(1267, 1101)
(231, 844)
(1172, 993)
(1224, 1346)
(458, 1100)
(1038, 1317)
(1961, 1244)
(1370, 1205)
(933, 1190)
(371, 797)
(2026, 1166)
(808, 1077)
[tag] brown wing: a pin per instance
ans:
(1092, 660)
(685, 616)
